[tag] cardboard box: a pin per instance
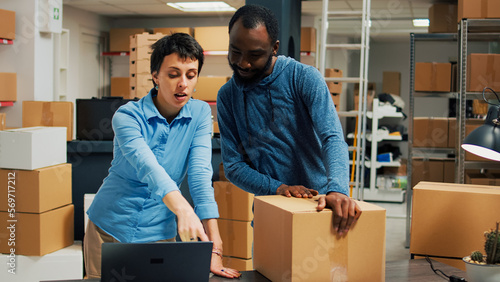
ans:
(452, 129)
(37, 191)
(391, 82)
(37, 234)
(7, 24)
(449, 171)
(119, 38)
(212, 38)
(3, 122)
(469, 156)
(433, 77)
(443, 18)
(32, 147)
(481, 179)
(234, 203)
(430, 132)
(63, 264)
(171, 30)
(478, 9)
(426, 170)
(336, 100)
(238, 263)
(120, 87)
(483, 70)
(143, 40)
(334, 87)
(492, 9)
(141, 80)
(8, 86)
(237, 237)
(140, 67)
(140, 53)
(294, 242)
(370, 95)
(449, 220)
(139, 92)
(208, 87)
(38, 113)
(333, 72)
(308, 39)
(216, 128)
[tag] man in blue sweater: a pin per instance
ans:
(280, 132)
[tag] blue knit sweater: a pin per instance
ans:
(283, 130)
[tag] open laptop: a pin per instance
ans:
(169, 261)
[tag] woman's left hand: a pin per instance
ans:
(218, 269)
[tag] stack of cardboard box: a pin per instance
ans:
(235, 219)
(141, 81)
(478, 9)
(335, 88)
(37, 214)
(370, 95)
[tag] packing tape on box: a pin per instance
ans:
(47, 115)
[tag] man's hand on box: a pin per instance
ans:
(297, 191)
(345, 211)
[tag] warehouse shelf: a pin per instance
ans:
(436, 94)
(115, 54)
(347, 113)
(6, 41)
(379, 138)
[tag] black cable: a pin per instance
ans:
(437, 271)
(484, 98)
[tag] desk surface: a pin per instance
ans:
(416, 270)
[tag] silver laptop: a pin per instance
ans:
(169, 261)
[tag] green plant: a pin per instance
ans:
(491, 247)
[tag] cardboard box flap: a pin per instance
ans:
(454, 187)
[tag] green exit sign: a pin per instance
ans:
(56, 13)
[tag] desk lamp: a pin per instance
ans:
(484, 141)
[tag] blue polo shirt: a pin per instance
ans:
(150, 159)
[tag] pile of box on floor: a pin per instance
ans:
(37, 216)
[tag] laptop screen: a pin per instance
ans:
(166, 261)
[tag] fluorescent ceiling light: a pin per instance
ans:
(214, 6)
(420, 22)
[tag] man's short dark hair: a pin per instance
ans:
(254, 15)
(182, 44)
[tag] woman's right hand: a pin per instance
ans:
(189, 225)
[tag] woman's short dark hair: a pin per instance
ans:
(254, 15)
(182, 44)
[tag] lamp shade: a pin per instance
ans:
(484, 141)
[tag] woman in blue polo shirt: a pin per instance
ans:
(157, 140)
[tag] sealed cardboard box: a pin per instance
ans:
(32, 147)
(478, 9)
(208, 87)
(8, 86)
(143, 40)
(430, 132)
(449, 220)
(171, 30)
(294, 242)
(66, 263)
(120, 87)
(237, 237)
(234, 203)
(492, 9)
(38, 113)
(443, 18)
(237, 263)
(433, 77)
(212, 38)
(7, 24)
(483, 70)
(37, 234)
(119, 38)
(38, 190)
(391, 82)
(307, 39)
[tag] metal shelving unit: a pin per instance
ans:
(363, 48)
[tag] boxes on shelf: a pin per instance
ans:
(142, 40)
(334, 87)
(433, 77)
(443, 18)
(448, 220)
(336, 100)
(478, 9)
(370, 95)
(140, 53)
(482, 179)
(212, 38)
(120, 87)
(32, 147)
(119, 38)
(391, 82)
(483, 70)
(294, 242)
(237, 237)
(39, 190)
(7, 24)
(452, 129)
(431, 132)
(308, 39)
(234, 203)
(37, 234)
(140, 67)
(432, 169)
(208, 87)
(237, 263)
(66, 263)
(141, 80)
(469, 156)
(8, 86)
(171, 30)
(38, 113)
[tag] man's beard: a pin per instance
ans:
(259, 74)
